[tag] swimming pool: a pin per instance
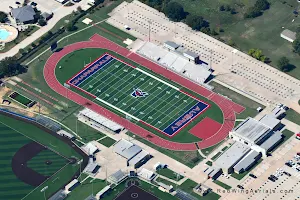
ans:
(4, 34)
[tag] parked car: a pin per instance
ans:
(241, 187)
(252, 175)
(271, 179)
(274, 177)
(286, 173)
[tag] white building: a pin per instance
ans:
(231, 157)
(171, 45)
(288, 35)
(250, 132)
(98, 121)
(133, 153)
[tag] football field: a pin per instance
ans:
(138, 94)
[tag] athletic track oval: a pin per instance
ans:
(228, 107)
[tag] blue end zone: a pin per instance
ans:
(185, 118)
(90, 70)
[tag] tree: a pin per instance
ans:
(257, 54)
(175, 11)
(196, 22)
(79, 9)
(10, 67)
(252, 12)
(262, 5)
(42, 22)
(70, 26)
(296, 45)
(222, 8)
(3, 17)
(283, 63)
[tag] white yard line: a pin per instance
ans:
(93, 74)
(118, 109)
(154, 77)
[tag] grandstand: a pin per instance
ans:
(97, 121)
(177, 61)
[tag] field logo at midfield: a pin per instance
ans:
(138, 93)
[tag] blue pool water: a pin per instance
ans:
(3, 34)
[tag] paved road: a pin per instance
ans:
(58, 14)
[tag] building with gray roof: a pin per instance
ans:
(191, 56)
(250, 132)
(139, 159)
(117, 177)
(272, 141)
(288, 35)
(171, 45)
(23, 14)
(126, 149)
(232, 156)
(270, 121)
(134, 154)
(247, 162)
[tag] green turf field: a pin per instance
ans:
(20, 98)
(13, 135)
(116, 83)
(71, 64)
(38, 163)
(11, 141)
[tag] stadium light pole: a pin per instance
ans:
(149, 29)
(44, 191)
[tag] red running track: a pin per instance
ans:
(228, 107)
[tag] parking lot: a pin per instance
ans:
(286, 187)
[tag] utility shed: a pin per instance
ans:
(191, 56)
(171, 45)
(288, 35)
(126, 149)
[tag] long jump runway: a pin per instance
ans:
(228, 107)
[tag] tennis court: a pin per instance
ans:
(138, 94)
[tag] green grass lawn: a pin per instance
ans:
(170, 174)
(86, 188)
(216, 156)
(165, 182)
(262, 32)
(208, 150)
(15, 134)
(107, 141)
(209, 163)
(188, 186)
(188, 158)
(242, 175)
(250, 105)
(293, 116)
(223, 185)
